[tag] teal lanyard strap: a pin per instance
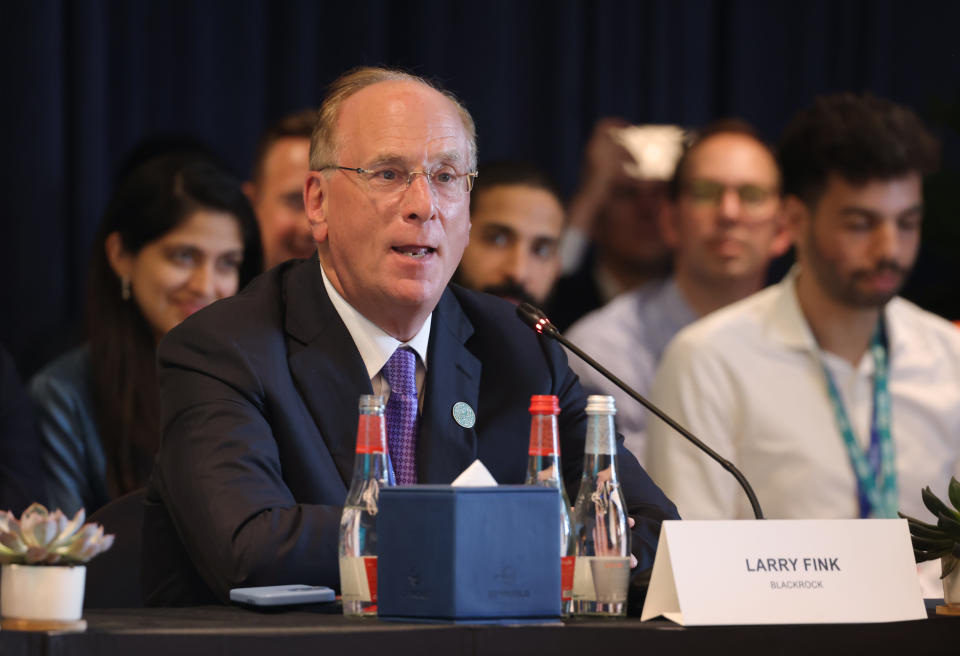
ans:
(875, 469)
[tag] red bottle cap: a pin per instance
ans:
(544, 404)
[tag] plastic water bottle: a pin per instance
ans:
(601, 533)
(543, 468)
(358, 523)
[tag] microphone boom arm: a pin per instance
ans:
(537, 320)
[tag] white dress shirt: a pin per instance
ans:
(376, 346)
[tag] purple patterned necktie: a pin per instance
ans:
(401, 414)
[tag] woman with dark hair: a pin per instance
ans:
(177, 235)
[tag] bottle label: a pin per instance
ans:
(567, 566)
(544, 440)
(358, 578)
(368, 434)
(603, 579)
(601, 436)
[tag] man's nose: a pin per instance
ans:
(886, 241)
(419, 199)
(517, 264)
(731, 207)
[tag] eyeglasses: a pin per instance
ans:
(710, 192)
(445, 181)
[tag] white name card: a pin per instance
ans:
(784, 572)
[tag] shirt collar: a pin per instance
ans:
(374, 344)
(788, 323)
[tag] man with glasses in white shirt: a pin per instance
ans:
(260, 394)
(724, 221)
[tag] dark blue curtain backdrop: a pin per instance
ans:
(84, 80)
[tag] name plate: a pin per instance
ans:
(784, 572)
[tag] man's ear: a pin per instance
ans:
(250, 191)
(667, 219)
(783, 235)
(796, 217)
(315, 204)
(119, 259)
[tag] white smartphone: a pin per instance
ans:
(282, 595)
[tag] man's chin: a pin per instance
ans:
(867, 299)
(872, 300)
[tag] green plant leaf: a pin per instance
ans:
(936, 506)
(930, 533)
(913, 521)
(922, 529)
(930, 544)
(922, 556)
(949, 525)
(953, 491)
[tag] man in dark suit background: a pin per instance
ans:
(260, 392)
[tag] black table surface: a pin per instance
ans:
(314, 630)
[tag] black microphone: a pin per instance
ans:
(536, 319)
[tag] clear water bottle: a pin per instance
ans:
(601, 533)
(543, 468)
(358, 523)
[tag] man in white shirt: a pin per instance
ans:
(724, 221)
(836, 398)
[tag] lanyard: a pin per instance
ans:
(875, 470)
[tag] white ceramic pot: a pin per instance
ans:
(951, 586)
(42, 592)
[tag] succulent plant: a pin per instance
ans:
(940, 540)
(42, 537)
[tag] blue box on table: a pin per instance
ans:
(462, 553)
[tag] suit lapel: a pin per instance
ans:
(444, 448)
(324, 362)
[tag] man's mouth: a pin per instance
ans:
(883, 274)
(414, 251)
(885, 278)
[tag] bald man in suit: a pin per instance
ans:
(260, 392)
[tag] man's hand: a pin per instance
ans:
(630, 524)
(605, 161)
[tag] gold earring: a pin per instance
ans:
(125, 288)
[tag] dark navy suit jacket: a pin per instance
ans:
(259, 396)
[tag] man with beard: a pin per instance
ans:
(835, 397)
(517, 219)
(724, 221)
